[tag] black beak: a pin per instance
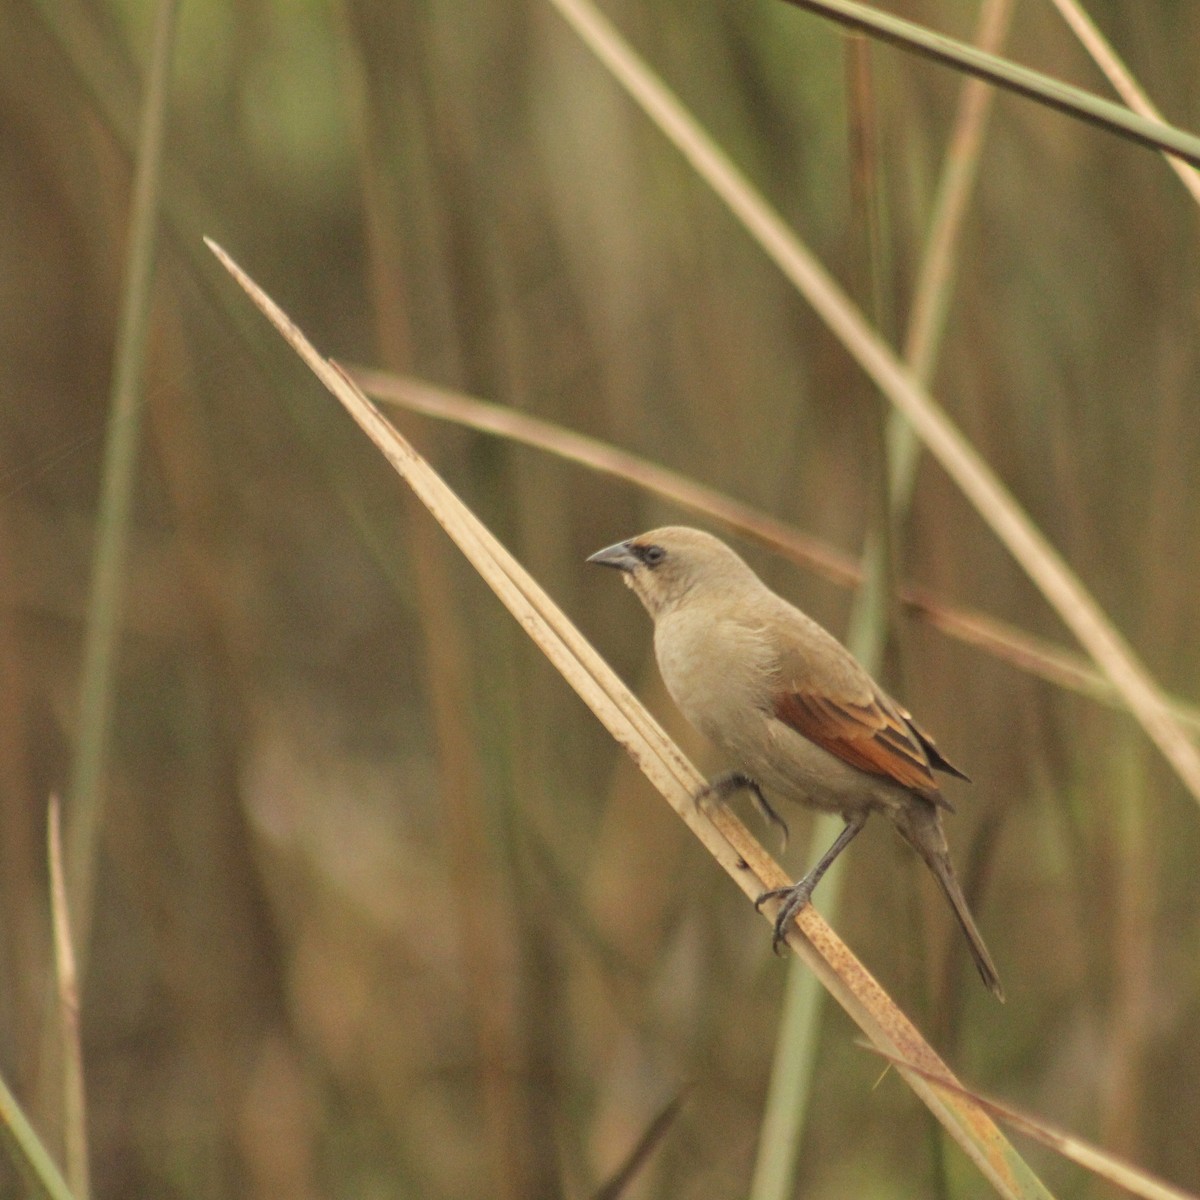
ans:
(619, 556)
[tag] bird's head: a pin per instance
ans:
(667, 566)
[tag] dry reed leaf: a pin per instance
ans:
(721, 833)
(1027, 653)
(1100, 1162)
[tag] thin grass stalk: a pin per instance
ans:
(484, 929)
(1022, 651)
(1128, 1013)
(871, 620)
(793, 1065)
(28, 1152)
(937, 272)
(933, 292)
(595, 455)
(659, 1126)
(92, 54)
(1124, 84)
(98, 67)
(1033, 85)
(789, 1091)
(975, 479)
(720, 831)
(1124, 1174)
(868, 194)
(1128, 958)
(102, 631)
(75, 1139)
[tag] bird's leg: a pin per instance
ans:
(724, 786)
(798, 895)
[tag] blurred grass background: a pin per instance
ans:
(365, 920)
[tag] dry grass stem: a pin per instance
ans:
(1124, 84)
(722, 834)
(1027, 653)
(1108, 1166)
(74, 1107)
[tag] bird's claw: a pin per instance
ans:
(769, 815)
(795, 896)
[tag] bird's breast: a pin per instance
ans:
(720, 672)
(715, 668)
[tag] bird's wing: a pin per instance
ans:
(937, 760)
(840, 709)
(866, 736)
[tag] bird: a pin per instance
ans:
(798, 717)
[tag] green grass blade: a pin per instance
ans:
(1033, 85)
(33, 1160)
(120, 464)
(789, 1092)
(67, 977)
(936, 275)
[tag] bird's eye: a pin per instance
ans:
(653, 555)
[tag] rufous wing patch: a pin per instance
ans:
(871, 736)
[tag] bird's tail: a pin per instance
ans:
(923, 831)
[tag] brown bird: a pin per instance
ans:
(791, 707)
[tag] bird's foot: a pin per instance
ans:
(769, 815)
(718, 790)
(794, 898)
